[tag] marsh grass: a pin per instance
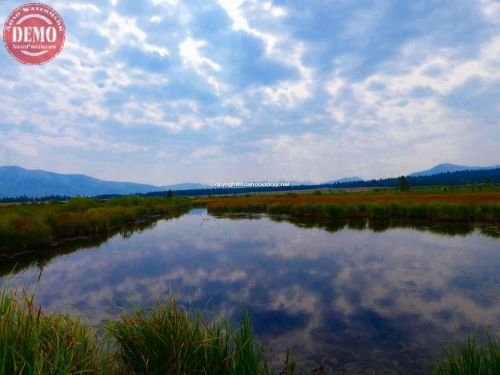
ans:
(471, 357)
(166, 339)
(44, 224)
(463, 212)
(32, 342)
(172, 340)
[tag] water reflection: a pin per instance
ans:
(376, 225)
(341, 296)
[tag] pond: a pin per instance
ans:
(344, 298)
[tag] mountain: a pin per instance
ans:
(448, 168)
(16, 181)
(345, 179)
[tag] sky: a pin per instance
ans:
(170, 91)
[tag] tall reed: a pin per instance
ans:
(32, 342)
(173, 340)
(471, 357)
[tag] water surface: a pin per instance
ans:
(351, 300)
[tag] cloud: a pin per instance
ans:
(190, 53)
(124, 30)
(314, 91)
(169, 3)
(491, 10)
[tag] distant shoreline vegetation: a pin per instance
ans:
(432, 206)
(474, 179)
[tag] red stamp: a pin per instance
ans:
(34, 34)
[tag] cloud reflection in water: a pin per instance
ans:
(353, 300)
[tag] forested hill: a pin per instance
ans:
(441, 179)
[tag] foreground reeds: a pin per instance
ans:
(471, 357)
(194, 346)
(164, 340)
(32, 342)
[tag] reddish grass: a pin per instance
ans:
(469, 198)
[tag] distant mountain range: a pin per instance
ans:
(448, 168)
(16, 182)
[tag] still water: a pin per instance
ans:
(348, 299)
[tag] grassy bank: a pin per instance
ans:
(436, 207)
(41, 225)
(164, 340)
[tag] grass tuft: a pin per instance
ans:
(173, 340)
(34, 343)
(471, 358)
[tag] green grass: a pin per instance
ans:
(32, 342)
(471, 357)
(194, 346)
(167, 339)
(45, 224)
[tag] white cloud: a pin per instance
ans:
(273, 10)
(189, 50)
(232, 122)
(80, 7)
(120, 30)
(141, 113)
(278, 47)
(232, 7)
(491, 10)
(145, 114)
(442, 71)
(290, 93)
(169, 3)
(387, 102)
(155, 19)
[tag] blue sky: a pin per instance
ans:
(168, 91)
